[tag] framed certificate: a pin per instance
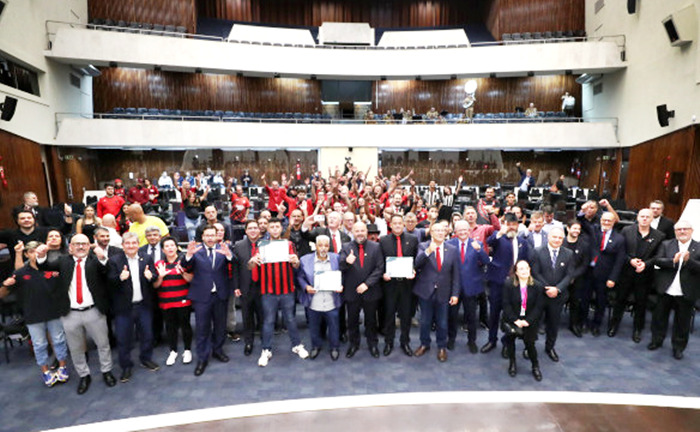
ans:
(328, 281)
(275, 251)
(399, 267)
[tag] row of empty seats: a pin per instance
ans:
(137, 27)
(546, 116)
(527, 37)
(211, 115)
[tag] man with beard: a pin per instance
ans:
(581, 249)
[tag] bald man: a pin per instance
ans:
(140, 221)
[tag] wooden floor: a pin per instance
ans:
(466, 417)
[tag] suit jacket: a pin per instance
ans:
(419, 233)
(531, 241)
(471, 273)
(444, 283)
(582, 256)
(666, 227)
(205, 276)
(690, 270)
(560, 276)
(95, 274)
(512, 302)
(305, 276)
(242, 276)
(609, 261)
(409, 248)
(502, 256)
(143, 252)
(523, 175)
(648, 252)
(122, 291)
(370, 274)
(311, 236)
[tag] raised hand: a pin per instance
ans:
(476, 246)
(192, 248)
(351, 257)
(148, 274)
(162, 271)
(124, 275)
(10, 281)
(19, 247)
(224, 250)
(99, 253)
(41, 250)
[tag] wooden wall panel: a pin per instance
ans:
(21, 162)
(166, 12)
(383, 13)
(492, 95)
(510, 16)
(649, 162)
(122, 87)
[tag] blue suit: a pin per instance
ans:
(471, 277)
(531, 242)
(209, 292)
(434, 289)
(304, 277)
(498, 270)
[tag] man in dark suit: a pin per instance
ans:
(437, 287)
(641, 243)
(131, 277)
(536, 235)
(527, 181)
(398, 292)
(246, 282)
(102, 238)
(472, 259)
(552, 267)
(582, 258)
(607, 258)
(333, 231)
(83, 301)
(678, 285)
(362, 264)
(506, 249)
(209, 291)
(152, 250)
(659, 221)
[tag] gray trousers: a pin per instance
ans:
(92, 322)
(231, 314)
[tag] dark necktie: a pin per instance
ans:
(79, 281)
(554, 258)
(399, 251)
(211, 256)
(362, 255)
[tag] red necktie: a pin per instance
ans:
(255, 275)
(362, 255)
(79, 281)
(399, 251)
(462, 252)
(437, 257)
(602, 246)
(335, 245)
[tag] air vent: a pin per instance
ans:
(599, 4)
(75, 80)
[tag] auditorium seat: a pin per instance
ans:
(109, 23)
(536, 35)
(157, 29)
(146, 28)
(181, 29)
(506, 37)
(134, 27)
(547, 35)
(122, 25)
(170, 30)
(527, 35)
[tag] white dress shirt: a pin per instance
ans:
(675, 288)
(73, 293)
(135, 275)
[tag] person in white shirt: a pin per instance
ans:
(549, 221)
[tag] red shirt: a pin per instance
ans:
(238, 208)
(109, 205)
(153, 190)
(277, 278)
(138, 195)
(276, 197)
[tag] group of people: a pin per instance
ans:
(340, 247)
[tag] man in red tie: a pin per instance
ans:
(398, 290)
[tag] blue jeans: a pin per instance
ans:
(37, 331)
(191, 225)
(271, 304)
(432, 308)
(141, 316)
(332, 321)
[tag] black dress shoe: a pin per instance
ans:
(351, 351)
(406, 348)
(595, 331)
(109, 379)
(201, 366)
(637, 336)
(484, 325)
(314, 353)
(472, 347)
(526, 355)
(612, 331)
(374, 351)
(552, 355)
(335, 354)
(536, 373)
(451, 345)
(343, 338)
(220, 356)
(126, 375)
(504, 352)
(488, 347)
(150, 365)
(653, 346)
(512, 369)
(576, 330)
(677, 354)
(84, 384)
(248, 349)
(388, 348)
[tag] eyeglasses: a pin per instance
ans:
(683, 229)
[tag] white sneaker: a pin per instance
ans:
(186, 357)
(300, 351)
(265, 357)
(171, 358)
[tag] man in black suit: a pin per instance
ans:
(83, 300)
(582, 258)
(678, 285)
(42, 215)
(659, 221)
(246, 282)
(333, 231)
(152, 250)
(131, 277)
(398, 292)
(607, 258)
(552, 267)
(641, 243)
(362, 264)
(102, 239)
